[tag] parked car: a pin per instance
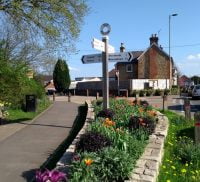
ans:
(196, 91)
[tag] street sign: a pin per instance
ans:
(116, 57)
(121, 57)
(99, 45)
(92, 58)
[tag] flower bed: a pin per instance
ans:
(113, 142)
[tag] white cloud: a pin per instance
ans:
(198, 56)
(191, 57)
(73, 69)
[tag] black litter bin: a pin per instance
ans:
(30, 103)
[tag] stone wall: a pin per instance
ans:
(147, 167)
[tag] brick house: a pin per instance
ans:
(153, 63)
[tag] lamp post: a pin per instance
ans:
(170, 77)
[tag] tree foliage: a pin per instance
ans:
(57, 21)
(14, 83)
(61, 77)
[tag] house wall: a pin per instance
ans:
(139, 84)
(153, 65)
(123, 75)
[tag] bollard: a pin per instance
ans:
(187, 109)
(54, 95)
(197, 127)
(69, 97)
(97, 96)
(87, 92)
(164, 97)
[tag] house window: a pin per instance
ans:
(129, 68)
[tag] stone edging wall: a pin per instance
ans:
(65, 160)
(147, 167)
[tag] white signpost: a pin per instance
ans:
(100, 45)
(104, 58)
(116, 57)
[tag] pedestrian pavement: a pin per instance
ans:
(29, 144)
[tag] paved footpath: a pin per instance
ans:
(28, 147)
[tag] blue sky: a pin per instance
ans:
(133, 22)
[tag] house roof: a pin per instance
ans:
(158, 47)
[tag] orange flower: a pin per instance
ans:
(108, 122)
(151, 113)
(88, 162)
(141, 109)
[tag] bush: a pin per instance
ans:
(92, 142)
(133, 93)
(157, 92)
(136, 122)
(149, 92)
(142, 93)
(106, 113)
(114, 165)
(166, 92)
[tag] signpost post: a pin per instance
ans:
(107, 55)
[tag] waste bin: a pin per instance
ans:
(30, 103)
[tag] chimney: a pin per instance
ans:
(153, 39)
(122, 48)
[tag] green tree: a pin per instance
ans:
(61, 77)
(51, 22)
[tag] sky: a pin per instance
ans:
(132, 23)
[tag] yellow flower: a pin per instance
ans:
(88, 162)
(170, 143)
(183, 170)
(173, 167)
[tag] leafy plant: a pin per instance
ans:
(92, 142)
(157, 92)
(114, 165)
(188, 151)
(106, 113)
(136, 122)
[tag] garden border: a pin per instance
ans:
(147, 166)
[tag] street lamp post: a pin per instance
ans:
(170, 77)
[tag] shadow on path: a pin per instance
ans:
(33, 124)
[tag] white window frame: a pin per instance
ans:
(129, 68)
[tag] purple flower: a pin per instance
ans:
(50, 176)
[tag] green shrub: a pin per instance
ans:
(166, 91)
(157, 92)
(142, 93)
(114, 165)
(149, 92)
(133, 93)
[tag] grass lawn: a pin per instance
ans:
(181, 161)
(18, 115)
